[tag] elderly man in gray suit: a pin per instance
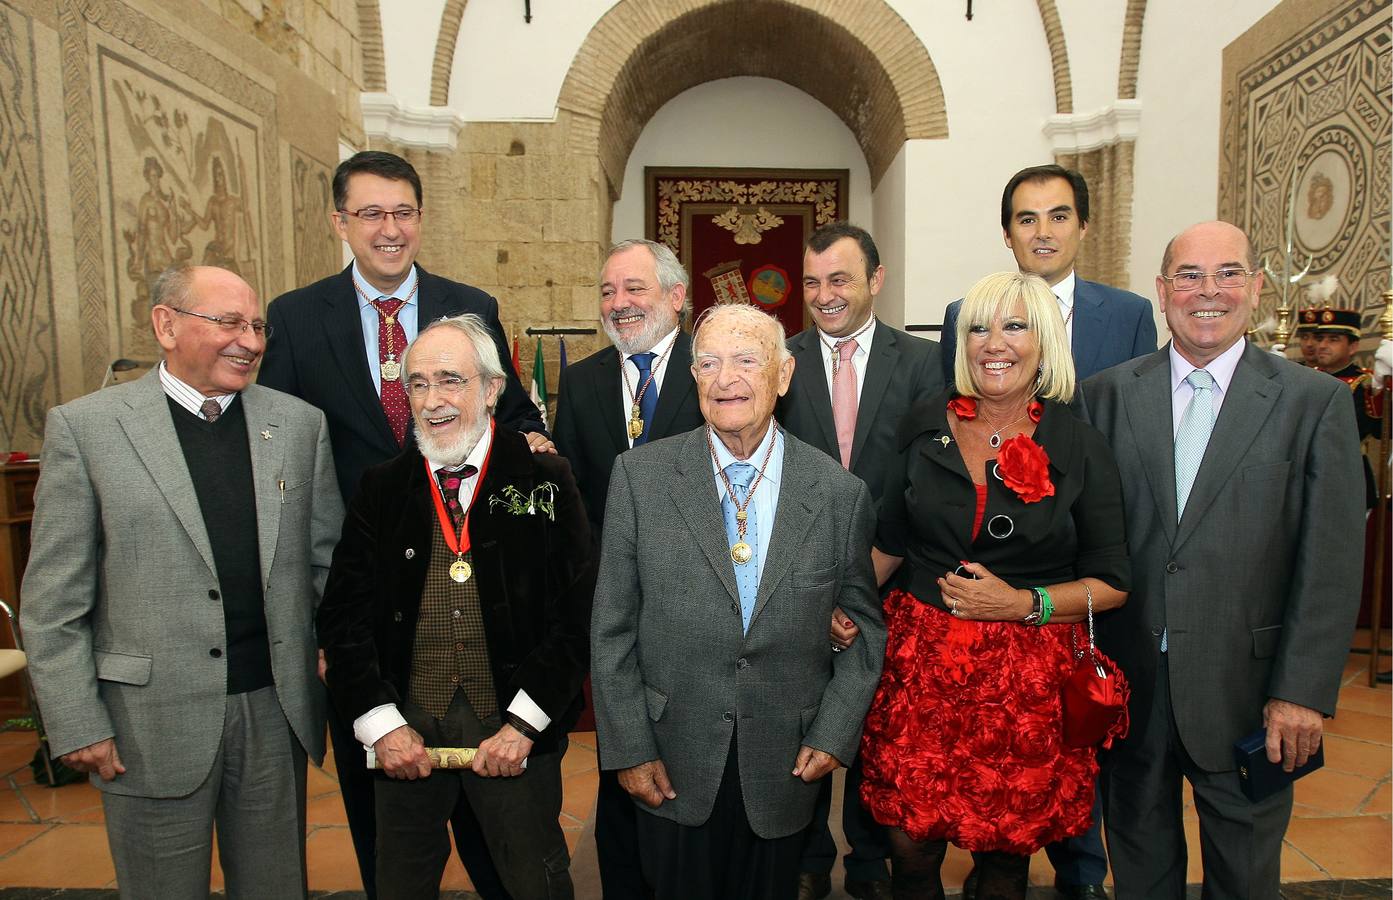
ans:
(1242, 482)
(717, 694)
(183, 527)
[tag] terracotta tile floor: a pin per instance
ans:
(1341, 828)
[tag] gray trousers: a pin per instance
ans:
(1240, 841)
(254, 792)
(519, 816)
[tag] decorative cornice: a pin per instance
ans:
(1079, 132)
(425, 128)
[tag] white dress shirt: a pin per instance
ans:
(1064, 293)
(629, 383)
(864, 338)
(373, 725)
(186, 396)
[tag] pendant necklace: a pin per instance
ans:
(391, 366)
(995, 440)
(635, 411)
(741, 552)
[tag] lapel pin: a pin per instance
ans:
(410, 553)
(266, 435)
(945, 440)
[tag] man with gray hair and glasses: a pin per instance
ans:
(456, 616)
(183, 526)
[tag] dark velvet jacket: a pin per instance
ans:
(536, 578)
(926, 514)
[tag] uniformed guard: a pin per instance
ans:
(1306, 336)
(1337, 338)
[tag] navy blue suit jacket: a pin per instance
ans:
(1111, 326)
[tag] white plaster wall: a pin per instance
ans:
(887, 226)
(409, 32)
(743, 122)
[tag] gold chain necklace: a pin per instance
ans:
(740, 552)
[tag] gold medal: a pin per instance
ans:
(741, 553)
(635, 428)
(391, 369)
(460, 571)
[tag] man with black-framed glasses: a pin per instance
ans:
(339, 344)
(182, 535)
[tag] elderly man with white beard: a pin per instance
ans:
(456, 615)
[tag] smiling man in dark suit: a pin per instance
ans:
(643, 299)
(456, 615)
(339, 344)
(855, 378)
(1241, 481)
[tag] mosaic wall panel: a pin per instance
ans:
(28, 347)
(1307, 107)
(317, 251)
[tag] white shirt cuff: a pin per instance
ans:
(523, 707)
(373, 725)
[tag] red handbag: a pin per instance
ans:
(1094, 696)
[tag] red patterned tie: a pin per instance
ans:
(449, 489)
(391, 335)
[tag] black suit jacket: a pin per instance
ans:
(536, 578)
(315, 352)
(901, 370)
(590, 427)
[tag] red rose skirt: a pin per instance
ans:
(964, 739)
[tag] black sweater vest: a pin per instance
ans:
(220, 464)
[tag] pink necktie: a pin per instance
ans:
(844, 399)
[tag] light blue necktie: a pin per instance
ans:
(648, 403)
(1196, 424)
(747, 575)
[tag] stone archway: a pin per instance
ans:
(642, 53)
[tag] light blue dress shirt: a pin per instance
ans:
(765, 502)
(408, 316)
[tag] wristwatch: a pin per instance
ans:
(1037, 607)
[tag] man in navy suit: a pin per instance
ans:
(1044, 219)
(339, 344)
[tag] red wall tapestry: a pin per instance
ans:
(740, 232)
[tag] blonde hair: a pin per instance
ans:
(990, 300)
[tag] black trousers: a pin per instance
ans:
(616, 842)
(356, 788)
(723, 858)
(523, 836)
(869, 846)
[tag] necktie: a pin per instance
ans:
(449, 489)
(1196, 423)
(746, 576)
(211, 409)
(391, 334)
(1193, 436)
(648, 403)
(844, 398)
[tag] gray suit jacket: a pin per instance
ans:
(674, 676)
(1258, 585)
(117, 602)
(901, 369)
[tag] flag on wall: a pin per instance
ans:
(539, 383)
(563, 351)
(517, 366)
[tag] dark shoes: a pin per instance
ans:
(1080, 891)
(868, 890)
(813, 887)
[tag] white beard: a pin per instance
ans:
(452, 452)
(655, 326)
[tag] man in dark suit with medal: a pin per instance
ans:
(621, 397)
(338, 344)
(456, 616)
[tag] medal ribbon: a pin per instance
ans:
(458, 544)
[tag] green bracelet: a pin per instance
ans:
(1046, 606)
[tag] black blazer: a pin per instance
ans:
(591, 430)
(315, 352)
(929, 507)
(901, 370)
(536, 578)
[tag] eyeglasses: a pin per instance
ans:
(405, 216)
(448, 387)
(231, 323)
(1224, 278)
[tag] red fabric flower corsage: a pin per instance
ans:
(1025, 468)
(1035, 410)
(964, 407)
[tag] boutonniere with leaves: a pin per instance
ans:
(542, 500)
